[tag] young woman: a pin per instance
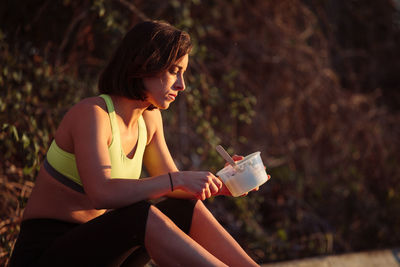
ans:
(88, 207)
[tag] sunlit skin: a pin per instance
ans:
(165, 87)
(85, 131)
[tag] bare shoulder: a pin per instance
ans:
(91, 103)
(85, 110)
(153, 122)
(82, 115)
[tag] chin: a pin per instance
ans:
(163, 106)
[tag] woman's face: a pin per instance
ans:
(164, 88)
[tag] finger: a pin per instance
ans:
(203, 194)
(237, 157)
(269, 177)
(207, 191)
(218, 182)
(213, 188)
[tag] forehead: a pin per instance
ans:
(182, 62)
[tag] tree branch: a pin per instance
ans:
(68, 33)
(134, 9)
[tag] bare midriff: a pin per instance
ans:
(51, 199)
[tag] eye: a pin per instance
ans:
(174, 70)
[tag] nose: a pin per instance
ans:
(179, 84)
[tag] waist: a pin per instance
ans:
(51, 199)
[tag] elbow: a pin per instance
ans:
(98, 205)
(100, 199)
(102, 203)
(111, 194)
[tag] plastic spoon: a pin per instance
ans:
(226, 156)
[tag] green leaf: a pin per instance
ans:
(25, 140)
(14, 132)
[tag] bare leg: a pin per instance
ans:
(210, 234)
(170, 246)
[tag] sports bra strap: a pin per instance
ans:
(111, 113)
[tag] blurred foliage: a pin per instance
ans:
(313, 85)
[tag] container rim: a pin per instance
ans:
(240, 162)
(252, 155)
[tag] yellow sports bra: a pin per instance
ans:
(62, 165)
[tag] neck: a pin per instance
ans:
(129, 110)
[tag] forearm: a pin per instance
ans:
(177, 193)
(115, 193)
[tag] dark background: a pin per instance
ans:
(313, 85)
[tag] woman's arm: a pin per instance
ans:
(157, 158)
(90, 131)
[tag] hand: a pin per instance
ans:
(235, 158)
(201, 184)
(225, 191)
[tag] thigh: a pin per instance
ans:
(104, 241)
(35, 236)
(115, 238)
(180, 211)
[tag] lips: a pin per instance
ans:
(172, 96)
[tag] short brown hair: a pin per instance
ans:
(148, 49)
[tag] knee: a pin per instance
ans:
(201, 212)
(199, 206)
(157, 220)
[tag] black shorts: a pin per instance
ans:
(115, 238)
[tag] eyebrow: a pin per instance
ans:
(177, 66)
